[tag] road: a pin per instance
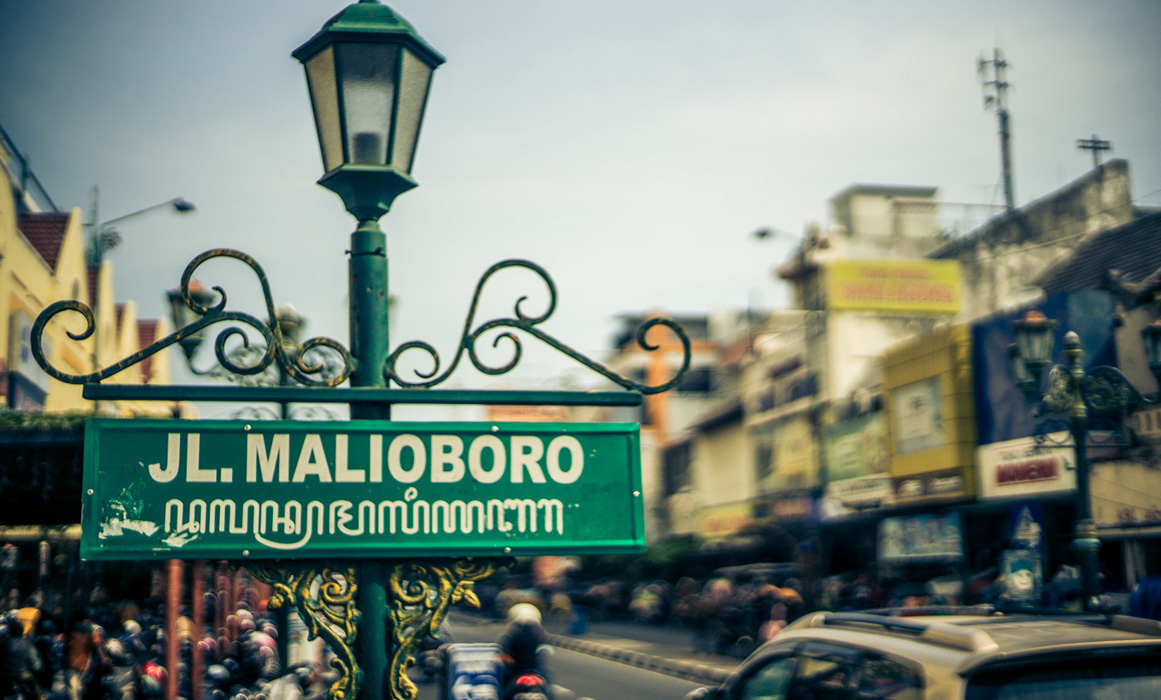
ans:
(579, 675)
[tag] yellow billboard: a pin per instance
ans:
(913, 286)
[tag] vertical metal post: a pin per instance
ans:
(198, 611)
(172, 603)
(1006, 159)
(369, 346)
(1085, 538)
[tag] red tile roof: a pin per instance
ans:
(45, 230)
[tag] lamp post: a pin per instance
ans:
(1077, 392)
(368, 73)
(103, 237)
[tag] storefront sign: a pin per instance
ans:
(921, 538)
(944, 486)
(1022, 575)
(856, 448)
(914, 286)
(719, 521)
(918, 412)
(792, 508)
(1022, 467)
(795, 456)
(232, 489)
(862, 495)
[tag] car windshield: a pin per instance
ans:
(1072, 679)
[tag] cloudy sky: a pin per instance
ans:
(629, 147)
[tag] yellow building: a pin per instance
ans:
(42, 261)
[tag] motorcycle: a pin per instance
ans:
(527, 685)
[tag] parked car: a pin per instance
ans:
(973, 653)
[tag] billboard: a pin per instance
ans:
(904, 286)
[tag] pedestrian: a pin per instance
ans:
(80, 659)
(22, 660)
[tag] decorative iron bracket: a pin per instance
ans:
(1102, 389)
(528, 324)
(292, 361)
(331, 615)
(324, 362)
(419, 597)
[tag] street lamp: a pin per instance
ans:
(103, 237)
(1077, 392)
(369, 73)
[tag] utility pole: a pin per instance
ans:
(1095, 145)
(995, 99)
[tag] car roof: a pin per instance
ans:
(965, 640)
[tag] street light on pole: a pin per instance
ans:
(1077, 392)
(103, 237)
(369, 73)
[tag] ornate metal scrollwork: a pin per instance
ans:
(293, 361)
(1101, 389)
(420, 595)
(330, 615)
(1106, 389)
(528, 324)
(326, 362)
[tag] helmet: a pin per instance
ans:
(524, 612)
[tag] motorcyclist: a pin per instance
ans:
(523, 645)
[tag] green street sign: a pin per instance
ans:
(178, 489)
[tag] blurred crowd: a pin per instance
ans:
(117, 651)
(732, 615)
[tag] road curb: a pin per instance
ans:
(687, 670)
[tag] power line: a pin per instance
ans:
(1095, 145)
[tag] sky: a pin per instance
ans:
(629, 148)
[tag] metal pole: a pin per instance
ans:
(198, 610)
(369, 346)
(1085, 536)
(1006, 160)
(172, 603)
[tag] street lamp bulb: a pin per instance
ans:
(183, 205)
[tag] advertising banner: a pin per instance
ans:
(918, 416)
(919, 538)
(284, 489)
(856, 447)
(911, 286)
(1024, 468)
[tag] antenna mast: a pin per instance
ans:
(995, 91)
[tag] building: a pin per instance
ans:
(43, 260)
(884, 403)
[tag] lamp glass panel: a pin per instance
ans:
(324, 96)
(1019, 368)
(1035, 342)
(414, 81)
(367, 74)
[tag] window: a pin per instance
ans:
(770, 681)
(1098, 676)
(675, 463)
(883, 679)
